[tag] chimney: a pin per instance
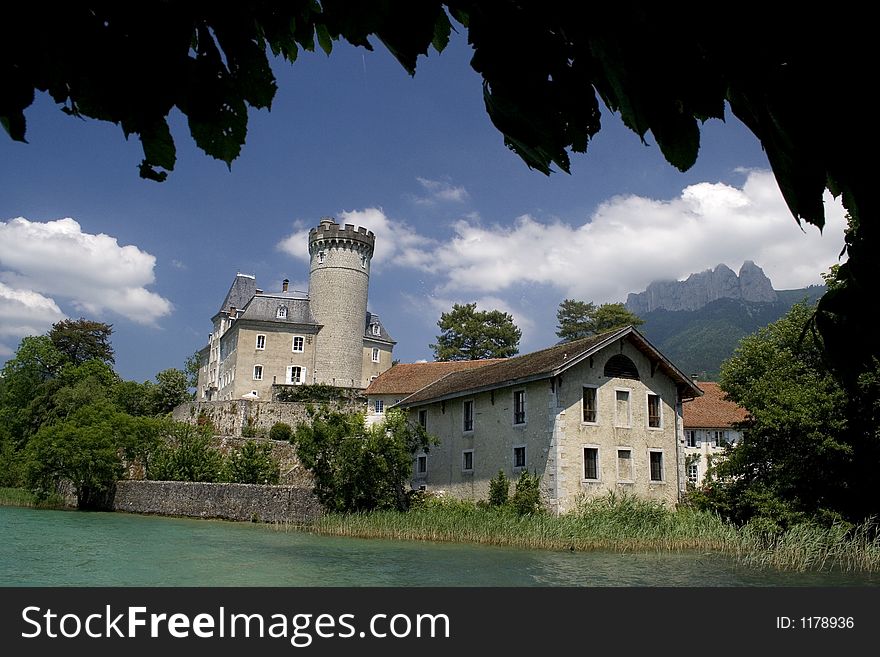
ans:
(284, 285)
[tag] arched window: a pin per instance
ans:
(621, 367)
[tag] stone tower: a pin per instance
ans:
(339, 275)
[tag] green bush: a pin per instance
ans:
(185, 455)
(281, 431)
(499, 489)
(253, 464)
(527, 495)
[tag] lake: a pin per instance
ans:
(69, 548)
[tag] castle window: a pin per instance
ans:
(519, 457)
(655, 456)
(320, 257)
(421, 465)
(654, 411)
(295, 374)
(589, 405)
(281, 313)
(364, 261)
(376, 330)
(423, 419)
(591, 464)
(375, 355)
(261, 342)
(621, 367)
(467, 460)
(468, 415)
(298, 342)
(519, 407)
(258, 372)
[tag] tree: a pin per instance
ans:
(581, 319)
(82, 339)
(357, 469)
(170, 391)
(471, 334)
(253, 463)
(800, 457)
(610, 316)
(185, 454)
(574, 319)
(191, 367)
(545, 67)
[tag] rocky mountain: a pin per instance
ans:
(697, 290)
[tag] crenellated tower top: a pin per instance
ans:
(329, 234)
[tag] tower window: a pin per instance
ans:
(375, 355)
(321, 256)
(376, 330)
(298, 343)
(281, 313)
(261, 342)
(364, 261)
(258, 372)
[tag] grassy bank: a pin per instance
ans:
(622, 525)
(22, 497)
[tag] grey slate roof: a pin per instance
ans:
(544, 364)
(240, 292)
(264, 308)
(373, 318)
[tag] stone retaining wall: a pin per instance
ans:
(229, 417)
(247, 502)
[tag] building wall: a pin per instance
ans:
(706, 449)
(573, 434)
(277, 356)
(373, 369)
(492, 440)
(554, 436)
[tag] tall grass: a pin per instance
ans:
(22, 497)
(617, 523)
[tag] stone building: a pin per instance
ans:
(589, 416)
(260, 339)
(711, 423)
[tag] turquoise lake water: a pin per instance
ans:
(67, 548)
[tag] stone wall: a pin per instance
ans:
(247, 502)
(228, 417)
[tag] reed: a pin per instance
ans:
(622, 524)
(25, 498)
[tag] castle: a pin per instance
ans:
(260, 339)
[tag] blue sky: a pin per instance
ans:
(457, 216)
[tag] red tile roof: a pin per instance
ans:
(712, 410)
(407, 378)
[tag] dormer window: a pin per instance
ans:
(281, 313)
(376, 330)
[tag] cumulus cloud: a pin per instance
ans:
(440, 191)
(25, 312)
(93, 272)
(630, 241)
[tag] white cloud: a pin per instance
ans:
(92, 272)
(440, 191)
(631, 240)
(23, 312)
